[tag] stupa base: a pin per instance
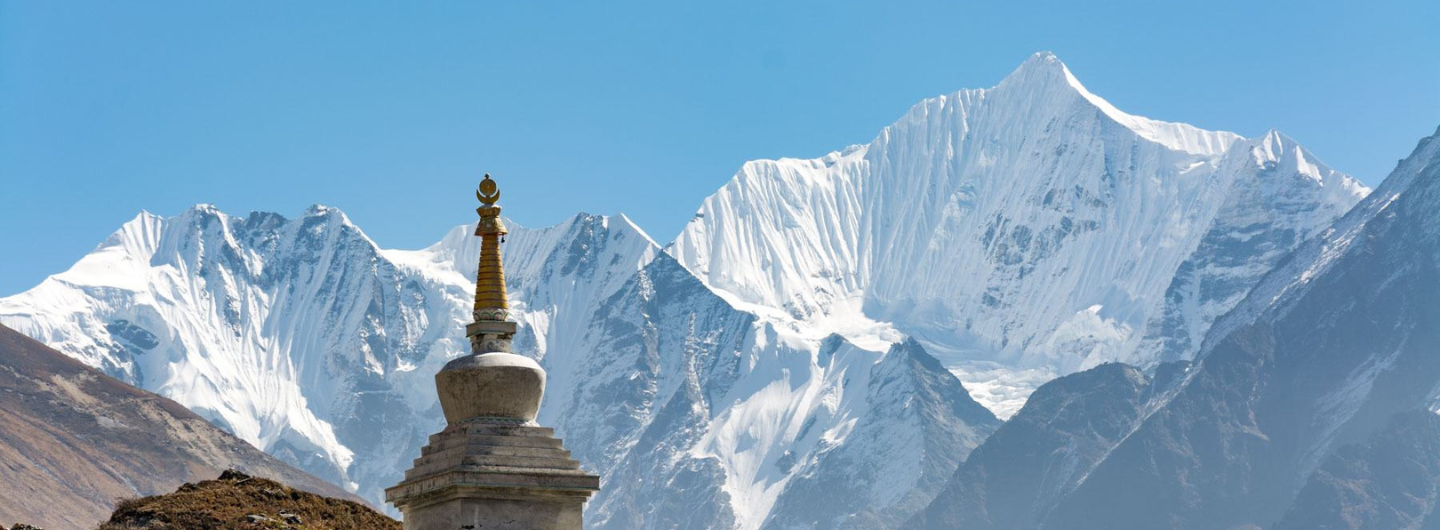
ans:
(488, 475)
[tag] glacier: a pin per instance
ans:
(821, 347)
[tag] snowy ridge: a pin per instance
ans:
(1033, 225)
(1177, 136)
(1317, 256)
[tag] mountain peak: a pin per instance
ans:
(329, 212)
(1279, 150)
(1042, 61)
(201, 213)
(1043, 72)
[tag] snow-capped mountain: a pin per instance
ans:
(308, 340)
(1031, 226)
(294, 334)
(756, 373)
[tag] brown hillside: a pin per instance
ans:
(239, 502)
(74, 441)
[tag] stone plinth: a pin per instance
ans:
(494, 475)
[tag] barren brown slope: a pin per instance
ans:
(237, 501)
(74, 441)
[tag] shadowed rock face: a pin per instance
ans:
(1041, 454)
(1391, 481)
(74, 441)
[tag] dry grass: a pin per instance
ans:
(236, 501)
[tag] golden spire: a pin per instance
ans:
(490, 302)
(492, 329)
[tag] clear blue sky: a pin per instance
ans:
(392, 110)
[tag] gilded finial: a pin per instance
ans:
(492, 329)
(489, 192)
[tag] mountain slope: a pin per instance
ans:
(74, 441)
(1391, 481)
(1031, 224)
(1328, 347)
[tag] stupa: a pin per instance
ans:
(492, 467)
